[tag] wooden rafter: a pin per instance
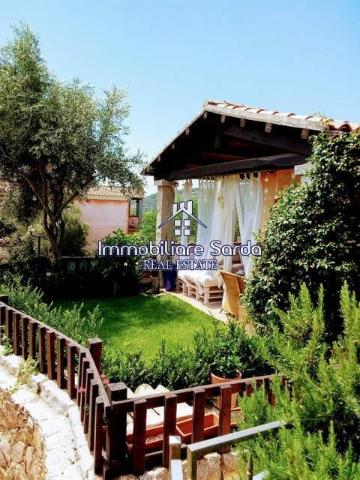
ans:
(284, 160)
(276, 140)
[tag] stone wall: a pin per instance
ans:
(41, 435)
(21, 450)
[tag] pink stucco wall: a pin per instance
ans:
(103, 217)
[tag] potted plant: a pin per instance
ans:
(226, 362)
(226, 367)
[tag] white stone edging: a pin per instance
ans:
(66, 450)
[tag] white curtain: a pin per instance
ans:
(249, 205)
(206, 202)
(221, 216)
(187, 191)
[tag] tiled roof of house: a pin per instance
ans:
(102, 191)
(113, 192)
(311, 122)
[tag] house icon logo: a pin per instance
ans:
(182, 226)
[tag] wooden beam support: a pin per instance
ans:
(272, 162)
(304, 134)
(282, 141)
(268, 127)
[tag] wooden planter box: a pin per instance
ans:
(211, 427)
(153, 439)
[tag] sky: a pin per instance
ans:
(171, 56)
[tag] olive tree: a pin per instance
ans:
(56, 138)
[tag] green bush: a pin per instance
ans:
(125, 367)
(73, 322)
(312, 235)
(74, 239)
(147, 229)
(321, 399)
(124, 271)
(225, 350)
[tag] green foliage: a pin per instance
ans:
(224, 350)
(227, 351)
(26, 369)
(23, 242)
(125, 367)
(73, 322)
(124, 271)
(147, 229)
(7, 348)
(74, 239)
(56, 138)
(173, 367)
(321, 400)
(312, 235)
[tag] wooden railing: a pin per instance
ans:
(106, 410)
(195, 450)
(139, 460)
(74, 368)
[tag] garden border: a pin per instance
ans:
(104, 410)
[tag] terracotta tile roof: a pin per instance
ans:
(113, 192)
(311, 122)
(98, 191)
(289, 119)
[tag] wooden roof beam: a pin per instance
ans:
(284, 160)
(276, 140)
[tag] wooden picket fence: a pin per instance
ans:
(105, 409)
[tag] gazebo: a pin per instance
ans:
(248, 154)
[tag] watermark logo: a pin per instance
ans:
(182, 226)
(183, 255)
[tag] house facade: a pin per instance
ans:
(105, 209)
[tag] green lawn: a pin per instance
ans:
(141, 322)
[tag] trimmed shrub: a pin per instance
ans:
(312, 235)
(74, 322)
(224, 350)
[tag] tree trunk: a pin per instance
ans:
(54, 232)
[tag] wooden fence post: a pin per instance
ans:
(60, 351)
(198, 415)
(116, 424)
(42, 349)
(98, 436)
(33, 326)
(225, 409)
(94, 392)
(4, 299)
(139, 433)
(16, 333)
(71, 352)
(169, 425)
(95, 349)
(8, 324)
(25, 336)
(89, 377)
(50, 354)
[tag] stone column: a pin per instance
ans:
(301, 171)
(165, 200)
